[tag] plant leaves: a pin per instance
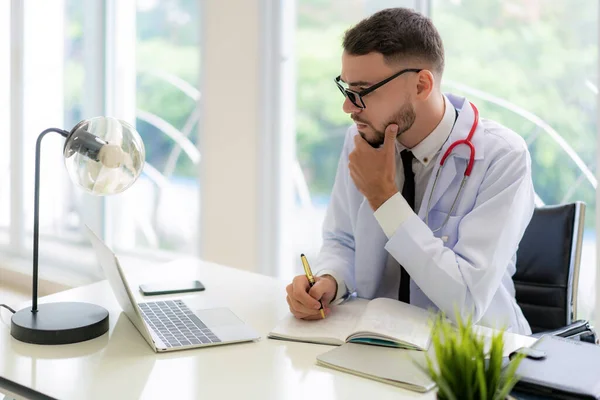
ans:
(445, 390)
(481, 380)
(463, 367)
(509, 378)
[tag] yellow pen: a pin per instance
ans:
(311, 278)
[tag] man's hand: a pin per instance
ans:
(374, 170)
(304, 300)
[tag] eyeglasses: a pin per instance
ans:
(356, 97)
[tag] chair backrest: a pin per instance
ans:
(548, 260)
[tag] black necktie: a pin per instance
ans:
(408, 192)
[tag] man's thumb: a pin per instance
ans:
(391, 133)
(319, 292)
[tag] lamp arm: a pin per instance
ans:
(36, 213)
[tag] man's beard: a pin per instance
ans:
(404, 118)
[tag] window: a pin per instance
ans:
(546, 91)
(167, 112)
(51, 53)
(320, 122)
(76, 66)
(4, 116)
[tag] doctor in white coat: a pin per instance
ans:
(392, 228)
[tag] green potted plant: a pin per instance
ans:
(463, 368)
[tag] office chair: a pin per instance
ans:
(547, 273)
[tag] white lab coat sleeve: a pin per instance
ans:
(466, 278)
(336, 257)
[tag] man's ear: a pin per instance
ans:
(425, 84)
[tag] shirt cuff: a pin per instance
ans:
(392, 214)
(342, 290)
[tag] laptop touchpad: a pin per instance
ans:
(218, 317)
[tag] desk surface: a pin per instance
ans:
(121, 365)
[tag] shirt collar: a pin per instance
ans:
(428, 148)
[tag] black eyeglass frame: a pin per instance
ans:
(353, 95)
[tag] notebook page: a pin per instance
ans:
(392, 319)
(332, 330)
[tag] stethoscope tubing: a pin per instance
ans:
(466, 174)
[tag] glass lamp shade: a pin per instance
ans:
(104, 155)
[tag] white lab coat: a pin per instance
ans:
(471, 270)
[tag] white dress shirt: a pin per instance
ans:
(391, 214)
(396, 210)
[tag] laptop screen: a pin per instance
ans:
(112, 270)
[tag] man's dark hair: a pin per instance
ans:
(397, 33)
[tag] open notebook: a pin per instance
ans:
(381, 321)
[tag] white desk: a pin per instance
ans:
(121, 365)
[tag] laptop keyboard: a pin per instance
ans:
(175, 324)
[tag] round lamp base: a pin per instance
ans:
(59, 323)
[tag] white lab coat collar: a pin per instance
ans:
(462, 128)
(428, 148)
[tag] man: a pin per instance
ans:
(392, 229)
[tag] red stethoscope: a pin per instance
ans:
(466, 142)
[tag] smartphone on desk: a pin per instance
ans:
(157, 288)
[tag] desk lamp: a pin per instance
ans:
(103, 155)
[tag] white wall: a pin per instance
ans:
(229, 132)
(597, 286)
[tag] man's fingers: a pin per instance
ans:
(300, 293)
(360, 143)
(295, 313)
(303, 300)
(322, 290)
(326, 299)
(297, 309)
(352, 157)
(391, 133)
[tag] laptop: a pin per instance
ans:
(169, 325)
